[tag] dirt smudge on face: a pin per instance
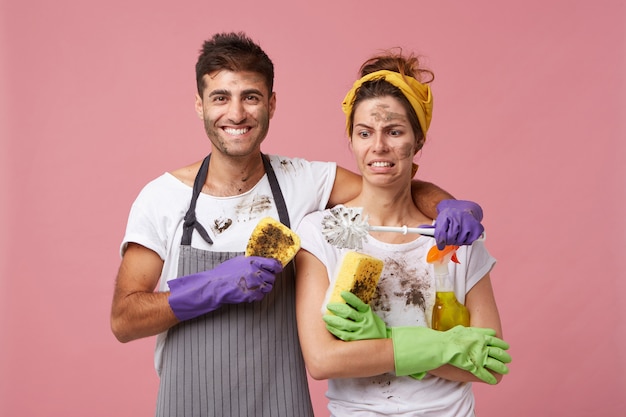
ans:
(406, 150)
(382, 113)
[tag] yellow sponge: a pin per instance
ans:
(272, 239)
(359, 274)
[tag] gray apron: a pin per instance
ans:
(241, 359)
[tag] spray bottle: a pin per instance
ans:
(448, 311)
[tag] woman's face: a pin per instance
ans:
(383, 141)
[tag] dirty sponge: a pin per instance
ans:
(272, 239)
(359, 274)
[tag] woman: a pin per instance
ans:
(388, 112)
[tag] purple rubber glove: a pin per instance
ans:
(458, 223)
(237, 280)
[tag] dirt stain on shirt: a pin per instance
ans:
(258, 204)
(401, 280)
(221, 224)
(287, 165)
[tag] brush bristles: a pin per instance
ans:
(345, 227)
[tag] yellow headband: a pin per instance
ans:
(418, 94)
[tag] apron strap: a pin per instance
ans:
(191, 223)
(279, 200)
(283, 214)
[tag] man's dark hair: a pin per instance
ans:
(233, 52)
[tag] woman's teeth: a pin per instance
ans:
(381, 164)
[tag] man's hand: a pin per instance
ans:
(458, 223)
(237, 280)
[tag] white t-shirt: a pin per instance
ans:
(157, 215)
(406, 295)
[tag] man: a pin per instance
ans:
(227, 341)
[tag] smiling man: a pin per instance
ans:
(227, 341)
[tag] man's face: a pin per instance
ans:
(236, 108)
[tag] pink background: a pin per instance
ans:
(96, 99)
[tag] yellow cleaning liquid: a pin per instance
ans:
(448, 312)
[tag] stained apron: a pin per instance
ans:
(241, 359)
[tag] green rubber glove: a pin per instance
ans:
(354, 320)
(477, 350)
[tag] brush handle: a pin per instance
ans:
(425, 231)
(422, 230)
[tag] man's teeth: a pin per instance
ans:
(381, 164)
(236, 131)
